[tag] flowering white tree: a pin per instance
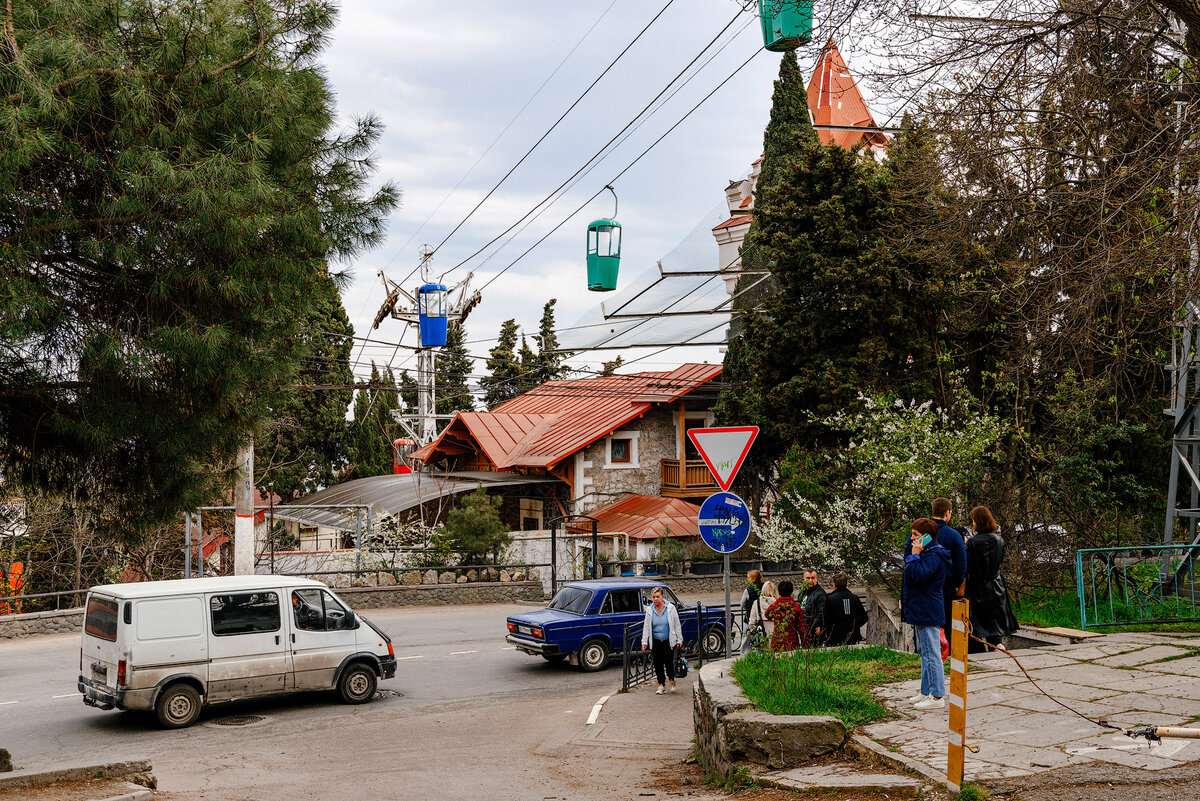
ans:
(898, 458)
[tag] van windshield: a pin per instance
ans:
(101, 618)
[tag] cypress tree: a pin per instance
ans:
(504, 371)
(454, 367)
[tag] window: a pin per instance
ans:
(101, 618)
(620, 450)
(245, 613)
(621, 601)
(689, 449)
(317, 610)
(571, 599)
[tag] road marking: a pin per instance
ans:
(68, 695)
(456, 653)
(596, 710)
(401, 658)
(6, 703)
(509, 648)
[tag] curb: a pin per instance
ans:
(20, 779)
(784, 784)
(136, 793)
(861, 746)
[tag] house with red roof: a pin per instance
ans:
(618, 444)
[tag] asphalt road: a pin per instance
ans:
(464, 713)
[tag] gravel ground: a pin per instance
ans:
(1100, 781)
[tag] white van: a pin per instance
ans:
(175, 646)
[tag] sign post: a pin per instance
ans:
(955, 756)
(724, 517)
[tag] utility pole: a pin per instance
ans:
(243, 508)
(430, 300)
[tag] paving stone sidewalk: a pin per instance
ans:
(1127, 680)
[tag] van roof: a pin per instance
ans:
(149, 589)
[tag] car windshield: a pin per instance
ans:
(571, 599)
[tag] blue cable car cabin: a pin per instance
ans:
(786, 24)
(431, 309)
(603, 255)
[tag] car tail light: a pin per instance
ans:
(390, 651)
(537, 633)
(512, 626)
(121, 673)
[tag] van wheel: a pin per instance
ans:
(178, 706)
(593, 655)
(357, 684)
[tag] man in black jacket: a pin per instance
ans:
(844, 614)
(813, 601)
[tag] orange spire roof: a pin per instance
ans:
(834, 99)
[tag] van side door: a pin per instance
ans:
(246, 649)
(321, 638)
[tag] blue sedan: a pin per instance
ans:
(586, 621)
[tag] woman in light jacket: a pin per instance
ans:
(661, 632)
(767, 596)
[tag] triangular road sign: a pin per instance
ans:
(723, 450)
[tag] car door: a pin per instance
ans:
(246, 651)
(321, 638)
(621, 608)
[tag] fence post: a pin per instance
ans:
(957, 696)
(625, 661)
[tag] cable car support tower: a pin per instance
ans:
(430, 308)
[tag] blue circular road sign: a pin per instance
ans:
(724, 522)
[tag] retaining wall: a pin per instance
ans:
(62, 621)
(730, 731)
(883, 620)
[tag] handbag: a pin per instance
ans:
(682, 666)
(945, 644)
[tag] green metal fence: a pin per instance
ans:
(1137, 585)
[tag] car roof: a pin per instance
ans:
(615, 583)
(152, 589)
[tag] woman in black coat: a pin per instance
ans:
(991, 614)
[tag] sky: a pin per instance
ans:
(465, 89)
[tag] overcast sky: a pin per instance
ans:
(447, 78)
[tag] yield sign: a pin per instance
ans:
(723, 450)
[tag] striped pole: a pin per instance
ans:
(957, 696)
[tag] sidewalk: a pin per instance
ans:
(640, 723)
(1127, 680)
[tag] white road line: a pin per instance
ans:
(456, 653)
(6, 703)
(509, 648)
(401, 658)
(68, 695)
(596, 710)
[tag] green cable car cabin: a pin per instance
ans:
(603, 254)
(786, 24)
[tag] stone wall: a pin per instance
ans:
(62, 621)
(730, 731)
(657, 432)
(441, 594)
(883, 620)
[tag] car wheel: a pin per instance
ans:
(713, 641)
(178, 706)
(554, 658)
(593, 655)
(357, 684)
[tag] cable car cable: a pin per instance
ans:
(605, 147)
(542, 138)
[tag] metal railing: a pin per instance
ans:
(31, 602)
(1137, 585)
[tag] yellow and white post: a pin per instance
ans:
(956, 748)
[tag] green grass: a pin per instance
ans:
(824, 681)
(1050, 608)
(972, 792)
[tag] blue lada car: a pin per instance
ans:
(586, 620)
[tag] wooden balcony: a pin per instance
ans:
(687, 479)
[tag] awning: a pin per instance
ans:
(393, 494)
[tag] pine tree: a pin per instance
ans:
(305, 441)
(169, 200)
(548, 364)
(454, 368)
(475, 529)
(373, 429)
(408, 392)
(504, 371)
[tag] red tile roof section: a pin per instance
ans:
(834, 99)
(646, 517)
(558, 418)
(734, 221)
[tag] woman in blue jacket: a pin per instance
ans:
(925, 570)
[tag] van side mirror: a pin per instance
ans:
(351, 621)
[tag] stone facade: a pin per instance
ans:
(655, 436)
(730, 731)
(59, 622)
(883, 621)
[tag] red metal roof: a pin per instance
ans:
(647, 517)
(834, 99)
(558, 418)
(734, 221)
